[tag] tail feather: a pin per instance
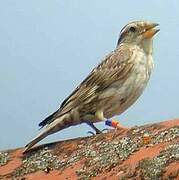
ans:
(47, 120)
(55, 126)
(38, 138)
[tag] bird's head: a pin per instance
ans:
(139, 33)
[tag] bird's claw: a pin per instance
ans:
(90, 132)
(105, 129)
(97, 132)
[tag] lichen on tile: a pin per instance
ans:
(39, 160)
(4, 157)
(154, 168)
(166, 135)
(108, 155)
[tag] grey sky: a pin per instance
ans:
(48, 47)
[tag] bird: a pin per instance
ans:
(111, 87)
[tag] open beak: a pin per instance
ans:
(150, 31)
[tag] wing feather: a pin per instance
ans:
(114, 67)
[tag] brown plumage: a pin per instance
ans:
(112, 86)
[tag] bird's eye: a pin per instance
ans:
(132, 29)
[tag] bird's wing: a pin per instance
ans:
(114, 67)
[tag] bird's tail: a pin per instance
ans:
(58, 124)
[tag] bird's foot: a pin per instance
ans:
(93, 127)
(97, 131)
(92, 133)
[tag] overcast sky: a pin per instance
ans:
(48, 47)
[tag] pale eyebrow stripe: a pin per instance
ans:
(123, 29)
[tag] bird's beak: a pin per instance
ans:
(150, 31)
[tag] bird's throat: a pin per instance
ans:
(147, 45)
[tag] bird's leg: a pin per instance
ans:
(94, 127)
(100, 115)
